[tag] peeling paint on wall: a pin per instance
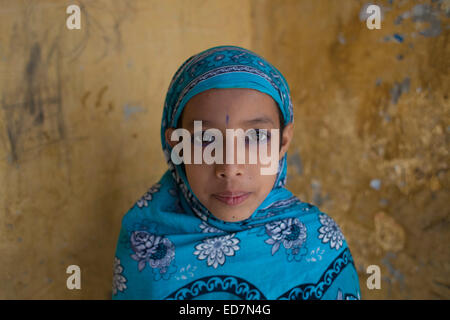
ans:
(399, 88)
(128, 110)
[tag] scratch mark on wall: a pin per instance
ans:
(84, 98)
(100, 95)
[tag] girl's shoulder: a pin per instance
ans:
(150, 199)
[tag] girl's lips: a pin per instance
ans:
(232, 200)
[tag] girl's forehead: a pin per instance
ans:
(231, 94)
(234, 117)
(230, 102)
(230, 106)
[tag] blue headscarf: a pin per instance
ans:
(172, 247)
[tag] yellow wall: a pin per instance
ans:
(81, 109)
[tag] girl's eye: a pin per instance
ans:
(254, 136)
(207, 138)
(258, 135)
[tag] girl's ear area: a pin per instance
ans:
(288, 133)
(167, 135)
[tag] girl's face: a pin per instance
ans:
(232, 108)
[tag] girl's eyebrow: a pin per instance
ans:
(259, 120)
(255, 121)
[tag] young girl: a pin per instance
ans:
(224, 230)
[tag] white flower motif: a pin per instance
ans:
(206, 228)
(290, 232)
(148, 196)
(158, 251)
(315, 255)
(330, 232)
(186, 272)
(118, 279)
(215, 249)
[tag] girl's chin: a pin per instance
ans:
(231, 215)
(231, 219)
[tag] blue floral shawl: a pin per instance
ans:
(171, 247)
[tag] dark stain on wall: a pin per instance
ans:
(35, 99)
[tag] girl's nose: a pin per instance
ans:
(230, 170)
(225, 170)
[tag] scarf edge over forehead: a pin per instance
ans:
(227, 67)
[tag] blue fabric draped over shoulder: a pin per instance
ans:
(171, 247)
